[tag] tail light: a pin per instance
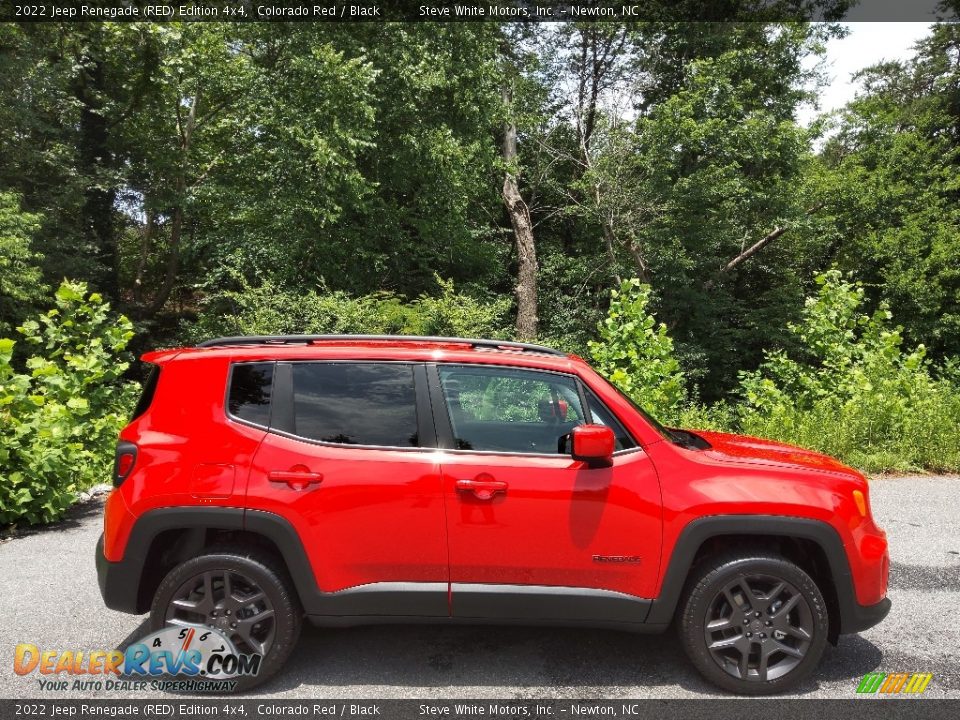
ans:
(126, 458)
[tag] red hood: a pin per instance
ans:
(742, 448)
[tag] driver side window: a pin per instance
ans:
(508, 410)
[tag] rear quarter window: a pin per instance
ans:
(251, 388)
(149, 390)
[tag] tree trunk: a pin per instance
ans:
(145, 242)
(606, 224)
(642, 268)
(173, 265)
(526, 288)
(598, 51)
(176, 226)
(96, 161)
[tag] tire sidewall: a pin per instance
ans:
(702, 593)
(287, 612)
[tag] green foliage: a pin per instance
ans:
(636, 354)
(850, 390)
(59, 420)
(243, 134)
(707, 161)
(722, 159)
(268, 310)
(430, 168)
(229, 170)
(20, 285)
(858, 395)
(720, 416)
(891, 178)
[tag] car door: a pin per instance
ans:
(533, 533)
(350, 462)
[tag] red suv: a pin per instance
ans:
(371, 479)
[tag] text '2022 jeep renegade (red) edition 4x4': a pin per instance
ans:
(369, 479)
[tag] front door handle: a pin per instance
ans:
(298, 477)
(482, 488)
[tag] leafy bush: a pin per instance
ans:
(269, 310)
(720, 416)
(855, 393)
(636, 354)
(859, 395)
(59, 420)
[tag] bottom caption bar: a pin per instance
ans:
(871, 708)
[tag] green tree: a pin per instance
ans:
(248, 134)
(433, 204)
(891, 185)
(723, 159)
(681, 164)
(20, 284)
(65, 91)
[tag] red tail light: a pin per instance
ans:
(126, 458)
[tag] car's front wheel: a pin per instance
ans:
(753, 623)
(245, 594)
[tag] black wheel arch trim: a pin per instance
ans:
(120, 581)
(854, 617)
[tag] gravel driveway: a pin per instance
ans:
(49, 596)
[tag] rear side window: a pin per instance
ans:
(356, 403)
(149, 390)
(251, 385)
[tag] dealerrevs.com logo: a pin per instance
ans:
(190, 659)
(894, 683)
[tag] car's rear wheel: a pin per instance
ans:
(754, 623)
(242, 592)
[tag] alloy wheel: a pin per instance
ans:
(229, 602)
(758, 627)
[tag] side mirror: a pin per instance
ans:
(594, 444)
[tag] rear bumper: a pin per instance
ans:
(118, 581)
(860, 617)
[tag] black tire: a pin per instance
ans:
(767, 621)
(250, 569)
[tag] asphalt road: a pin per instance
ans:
(49, 597)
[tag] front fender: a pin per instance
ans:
(853, 616)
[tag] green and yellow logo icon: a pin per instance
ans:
(891, 683)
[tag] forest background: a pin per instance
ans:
(640, 194)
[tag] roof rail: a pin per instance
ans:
(308, 339)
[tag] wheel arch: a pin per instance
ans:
(165, 537)
(813, 544)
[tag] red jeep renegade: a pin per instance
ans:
(370, 479)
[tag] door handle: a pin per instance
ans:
(298, 477)
(482, 489)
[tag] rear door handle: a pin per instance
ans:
(298, 477)
(482, 489)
